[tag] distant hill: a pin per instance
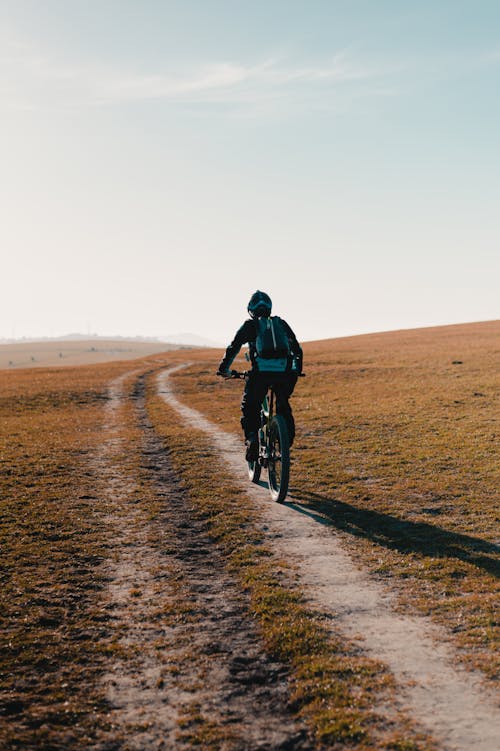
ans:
(185, 339)
(76, 337)
(192, 340)
(78, 351)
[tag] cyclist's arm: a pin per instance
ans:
(243, 335)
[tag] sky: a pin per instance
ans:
(160, 160)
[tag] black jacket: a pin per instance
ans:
(247, 334)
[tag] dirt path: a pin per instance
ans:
(188, 665)
(133, 573)
(445, 699)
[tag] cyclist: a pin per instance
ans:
(259, 379)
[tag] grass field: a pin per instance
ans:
(396, 443)
(20, 355)
(52, 545)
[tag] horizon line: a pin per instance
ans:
(170, 339)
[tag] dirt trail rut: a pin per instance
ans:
(445, 699)
(187, 647)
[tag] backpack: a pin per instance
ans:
(271, 346)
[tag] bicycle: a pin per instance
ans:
(274, 446)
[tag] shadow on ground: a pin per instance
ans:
(399, 534)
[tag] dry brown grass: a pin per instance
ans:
(53, 543)
(397, 443)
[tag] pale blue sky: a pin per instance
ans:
(162, 160)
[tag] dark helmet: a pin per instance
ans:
(260, 305)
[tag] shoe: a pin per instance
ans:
(252, 452)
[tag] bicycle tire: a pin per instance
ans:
(279, 459)
(254, 470)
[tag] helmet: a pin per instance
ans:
(260, 305)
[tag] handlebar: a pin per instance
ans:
(232, 374)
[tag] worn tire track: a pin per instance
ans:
(186, 644)
(446, 700)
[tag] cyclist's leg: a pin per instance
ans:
(255, 389)
(283, 387)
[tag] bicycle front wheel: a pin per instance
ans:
(279, 459)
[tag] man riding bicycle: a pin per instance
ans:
(276, 358)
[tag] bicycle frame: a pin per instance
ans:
(274, 446)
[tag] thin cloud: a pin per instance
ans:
(216, 77)
(228, 80)
(35, 80)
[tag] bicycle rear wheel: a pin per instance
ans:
(279, 459)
